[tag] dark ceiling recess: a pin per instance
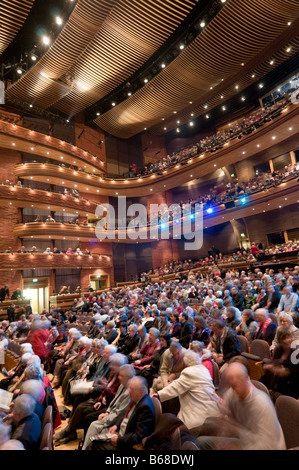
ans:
(40, 21)
(184, 34)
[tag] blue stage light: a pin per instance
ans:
(243, 200)
(210, 210)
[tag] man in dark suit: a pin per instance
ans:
(137, 423)
(227, 344)
(185, 330)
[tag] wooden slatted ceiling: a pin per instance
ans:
(239, 33)
(13, 13)
(101, 45)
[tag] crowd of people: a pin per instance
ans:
(256, 253)
(49, 251)
(215, 141)
(114, 350)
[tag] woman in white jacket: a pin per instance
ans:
(195, 390)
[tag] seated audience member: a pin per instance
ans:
(266, 327)
(285, 321)
(25, 424)
(200, 331)
(67, 354)
(90, 409)
(130, 342)
(115, 410)
(171, 366)
(137, 423)
(231, 319)
(226, 344)
(273, 298)
(14, 375)
(185, 330)
(237, 298)
(148, 350)
(194, 388)
(282, 370)
(164, 324)
(205, 355)
(143, 337)
(110, 332)
(151, 371)
(36, 389)
(247, 326)
(175, 325)
(288, 302)
(248, 418)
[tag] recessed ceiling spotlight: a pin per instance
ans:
(182, 46)
(202, 24)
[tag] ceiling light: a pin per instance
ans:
(178, 122)
(113, 103)
(46, 40)
(191, 123)
(129, 93)
(271, 62)
(261, 85)
(165, 128)
(206, 106)
(182, 46)
(163, 66)
(288, 49)
(243, 98)
(192, 114)
(33, 57)
(58, 20)
(98, 114)
(178, 130)
(222, 97)
(145, 80)
(207, 116)
(202, 24)
(253, 75)
(19, 71)
(236, 87)
(223, 108)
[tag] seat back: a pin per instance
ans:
(189, 445)
(260, 386)
(158, 409)
(46, 439)
(260, 348)
(287, 409)
(243, 343)
(273, 318)
(47, 416)
(216, 374)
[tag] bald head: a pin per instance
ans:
(237, 378)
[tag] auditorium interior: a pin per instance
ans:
(110, 109)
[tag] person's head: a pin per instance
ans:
(200, 322)
(138, 388)
(23, 407)
(176, 350)
(153, 334)
(174, 317)
(238, 379)
(230, 312)
(191, 358)
(218, 327)
(261, 315)
(247, 315)
(132, 330)
(287, 290)
(116, 361)
(197, 346)
(285, 320)
(34, 388)
(165, 339)
(108, 351)
(74, 334)
(183, 317)
(141, 330)
(125, 374)
(32, 372)
(284, 338)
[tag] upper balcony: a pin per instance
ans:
(20, 261)
(274, 138)
(19, 196)
(32, 142)
(277, 197)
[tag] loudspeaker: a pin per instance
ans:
(229, 205)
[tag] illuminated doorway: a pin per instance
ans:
(98, 282)
(37, 291)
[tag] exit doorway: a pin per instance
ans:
(37, 291)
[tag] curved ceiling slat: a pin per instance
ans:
(241, 32)
(101, 45)
(13, 14)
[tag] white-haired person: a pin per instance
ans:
(285, 321)
(91, 408)
(67, 355)
(25, 423)
(14, 375)
(194, 389)
(84, 351)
